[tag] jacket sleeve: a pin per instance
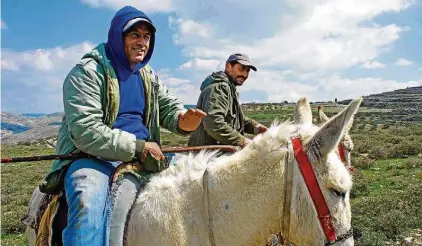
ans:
(82, 98)
(251, 126)
(216, 104)
(170, 107)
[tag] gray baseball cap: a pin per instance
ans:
(132, 22)
(242, 59)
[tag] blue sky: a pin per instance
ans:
(322, 49)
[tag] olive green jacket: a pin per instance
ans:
(225, 122)
(91, 103)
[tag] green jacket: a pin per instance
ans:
(225, 122)
(91, 103)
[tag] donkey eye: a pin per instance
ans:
(338, 193)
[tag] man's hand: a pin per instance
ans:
(246, 141)
(154, 150)
(190, 120)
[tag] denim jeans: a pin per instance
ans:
(97, 216)
(87, 185)
(123, 195)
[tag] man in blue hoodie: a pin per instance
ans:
(114, 106)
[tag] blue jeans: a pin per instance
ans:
(87, 185)
(97, 216)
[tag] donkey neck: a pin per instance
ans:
(246, 196)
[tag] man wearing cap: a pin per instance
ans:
(225, 122)
(114, 105)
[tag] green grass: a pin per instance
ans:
(18, 180)
(386, 201)
(16, 239)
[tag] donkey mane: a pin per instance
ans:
(193, 166)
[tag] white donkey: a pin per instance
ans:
(243, 198)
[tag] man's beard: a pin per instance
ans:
(233, 79)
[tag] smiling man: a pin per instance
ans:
(225, 122)
(114, 105)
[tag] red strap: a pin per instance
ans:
(315, 192)
(341, 152)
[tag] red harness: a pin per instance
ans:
(315, 192)
(342, 154)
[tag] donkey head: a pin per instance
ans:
(320, 145)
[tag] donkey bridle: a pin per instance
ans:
(323, 212)
(315, 192)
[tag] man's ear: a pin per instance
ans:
(228, 66)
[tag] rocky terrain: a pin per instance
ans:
(24, 129)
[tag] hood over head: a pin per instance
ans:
(115, 43)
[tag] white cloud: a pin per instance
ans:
(306, 34)
(186, 65)
(170, 81)
(373, 64)
(3, 24)
(32, 80)
(145, 5)
(52, 59)
(324, 35)
(187, 93)
(298, 47)
(208, 65)
(350, 88)
(189, 32)
(313, 40)
(403, 62)
(190, 27)
(9, 65)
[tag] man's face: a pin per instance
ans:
(137, 41)
(238, 73)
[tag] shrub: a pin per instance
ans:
(362, 162)
(380, 152)
(406, 148)
(414, 162)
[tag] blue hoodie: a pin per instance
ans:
(132, 94)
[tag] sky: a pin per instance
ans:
(321, 49)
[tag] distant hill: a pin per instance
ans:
(35, 114)
(18, 128)
(21, 128)
(405, 105)
(409, 98)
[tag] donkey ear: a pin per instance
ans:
(329, 135)
(322, 117)
(303, 112)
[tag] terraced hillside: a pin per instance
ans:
(403, 105)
